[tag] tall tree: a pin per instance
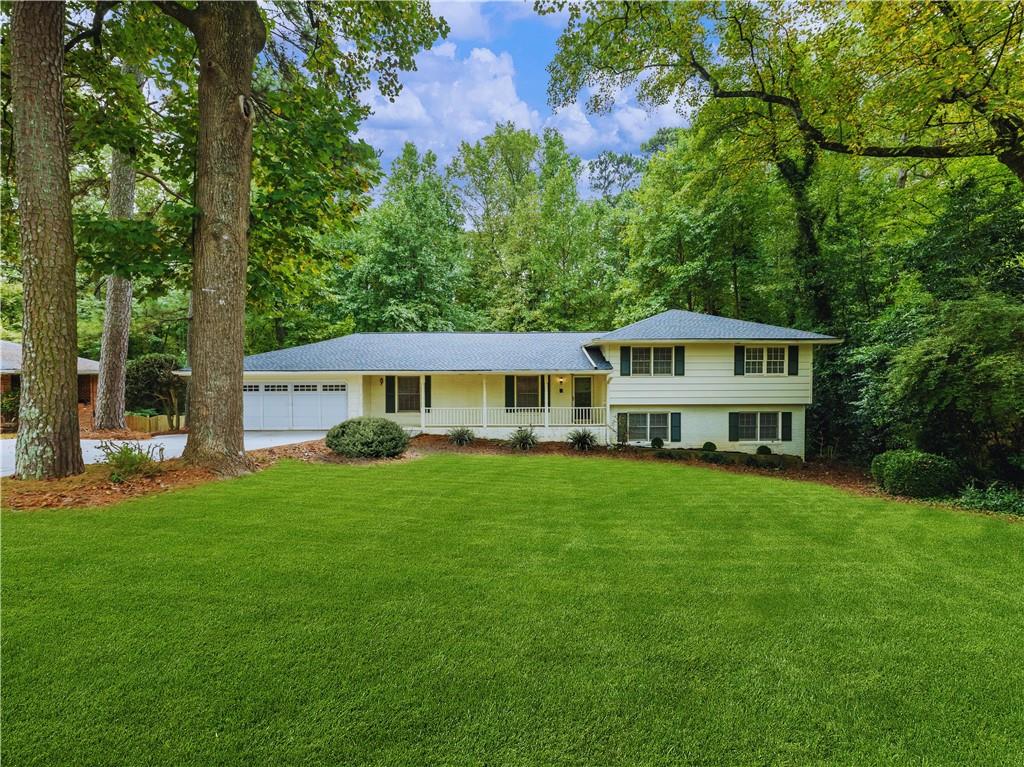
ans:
(48, 444)
(936, 80)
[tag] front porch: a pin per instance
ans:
(485, 417)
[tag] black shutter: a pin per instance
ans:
(677, 427)
(739, 357)
(510, 391)
(426, 391)
(794, 360)
(625, 360)
(389, 394)
(680, 369)
(787, 427)
(543, 393)
(734, 427)
(620, 427)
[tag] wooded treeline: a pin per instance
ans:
(853, 170)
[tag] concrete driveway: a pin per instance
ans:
(172, 444)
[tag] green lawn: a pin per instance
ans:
(512, 610)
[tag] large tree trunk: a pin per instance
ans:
(229, 35)
(118, 316)
(48, 443)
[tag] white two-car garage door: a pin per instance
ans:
(313, 406)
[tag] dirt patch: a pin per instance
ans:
(86, 431)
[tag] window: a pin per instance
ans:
(637, 427)
(761, 427)
(641, 361)
(250, 387)
(776, 360)
(527, 391)
(333, 387)
(275, 387)
(754, 362)
(748, 427)
(304, 387)
(662, 360)
(659, 426)
(408, 394)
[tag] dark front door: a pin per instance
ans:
(581, 391)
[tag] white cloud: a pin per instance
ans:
(449, 99)
(466, 19)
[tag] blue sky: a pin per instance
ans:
(492, 68)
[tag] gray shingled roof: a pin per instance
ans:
(10, 360)
(437, 351)
(678, 325)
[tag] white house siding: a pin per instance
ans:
(710, 423)
(709, 380)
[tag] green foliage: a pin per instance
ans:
(582, 439)
(461, 436)
(522, 439)
(657, 443)
(150, 383)
(715, 458)
(709, 447)
(128, 460)
(996, 497)
(10, 401)
(915, 474)
(764, 450)
(367, 437)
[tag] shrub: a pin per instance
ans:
(367, 437)
(130, 459)
(915, 474)
(582, 439)
(9, 403)
(657, 443)
(878, 464)
(461, 436)
(764, 450)
(709, 457)
(150, 383)
(523, 439)
(709, 447)
(997, 497)
(751, 461)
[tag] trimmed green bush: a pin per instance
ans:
(709, 457)
(523, 439)
(582, 439)
(915, 474)
(997, 497)
(9, 404)
(367, 437)
(709, 447)
(764, 450)
(657, 443)
(461, 436)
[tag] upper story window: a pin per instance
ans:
(651, 360)
(765, 360)
(408, 394)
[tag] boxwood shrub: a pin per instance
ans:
(367, 437)
(915, 474)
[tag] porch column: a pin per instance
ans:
(546, 383)
(483, 409)
(423, 403)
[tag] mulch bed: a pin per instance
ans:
(86, 431)
(94, 487)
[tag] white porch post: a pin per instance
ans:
(483, 409)
(423, 403)
(546, 383)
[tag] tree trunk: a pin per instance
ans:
(48, 445)
(118, 316)
(229, 35)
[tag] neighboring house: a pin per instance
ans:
(10, 373)
(684, 377)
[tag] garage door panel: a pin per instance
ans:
(252, 407)
(282, 406)
(333, 405)
(277, 407)
(305, 406)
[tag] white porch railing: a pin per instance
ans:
(514, 416)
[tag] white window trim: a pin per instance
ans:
(764, 361)
(757, 420)
(672, 362)
(647, 431)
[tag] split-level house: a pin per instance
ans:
(683, 377)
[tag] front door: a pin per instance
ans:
(581, 391)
